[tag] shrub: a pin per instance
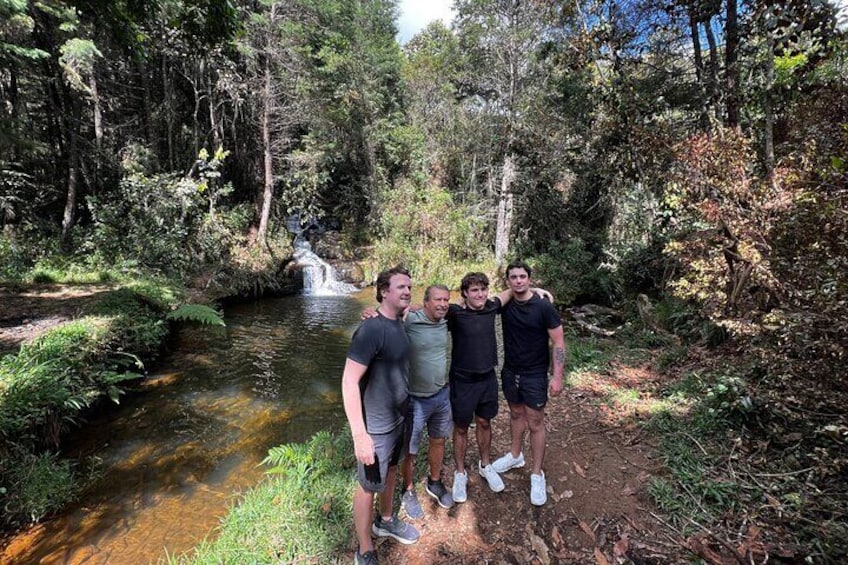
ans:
(571, 272)
(435, 238)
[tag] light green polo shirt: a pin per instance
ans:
(428, 353)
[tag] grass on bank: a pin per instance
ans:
(49, 384)
(300, 513)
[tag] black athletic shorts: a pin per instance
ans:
(473, 396)
(529, 389)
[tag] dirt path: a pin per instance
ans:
(29, 313)
(597, 510)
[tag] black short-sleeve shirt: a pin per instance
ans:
(525, 332)
(475, 347)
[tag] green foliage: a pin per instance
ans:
(166, 223)
(435, 238)
(570, 271)
(35, 485)
(302, 512)
(198, 313)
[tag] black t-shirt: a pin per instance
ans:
(381, 344)
(525, 332)
(475, 347)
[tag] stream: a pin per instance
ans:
(173, 457)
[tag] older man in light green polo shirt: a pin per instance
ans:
(429, 400)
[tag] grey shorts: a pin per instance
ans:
(432, 411)
(388, 449)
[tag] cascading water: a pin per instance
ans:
(319, 277)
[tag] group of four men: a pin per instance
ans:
(395, 373)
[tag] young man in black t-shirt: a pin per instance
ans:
(529, 323)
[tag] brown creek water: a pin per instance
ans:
(174, 456)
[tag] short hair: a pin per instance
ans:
(384, 279)
(472, 279)
(432, 287)
(519, 264)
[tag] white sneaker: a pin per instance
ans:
(538, 490)
(507, 462)
(459, 482)
(492, 477)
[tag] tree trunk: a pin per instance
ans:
(699, 67)
(69, 214)
(146, 114)
(713, 82)
(505, 203)
(169, 114)
(98, 131)
(268, 192)
(217, 131)
(768, 111)
(731, 66)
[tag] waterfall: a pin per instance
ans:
(319, 277)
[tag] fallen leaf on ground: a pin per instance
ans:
(556, 537)
(585, 527)
(600, 557)
(621, 547)
(541, 549)
(579, 470)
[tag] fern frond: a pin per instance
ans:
(197, 313)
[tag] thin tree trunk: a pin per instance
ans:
(713, 82)
(98, 131)
(768, 110)
(169, 114)
(505, 203)
(267, 159)
(146, 114)
(69, 214)
(699, 66)
(731, 67)
(214, 123)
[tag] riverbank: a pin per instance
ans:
(77, 347)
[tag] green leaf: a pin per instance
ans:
(197, 313)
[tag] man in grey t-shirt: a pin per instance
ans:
(374, 389)
(429, 399)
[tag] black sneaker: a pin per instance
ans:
(367, 558)
(438, 491)
(395, 528)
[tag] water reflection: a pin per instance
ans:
(173, 456)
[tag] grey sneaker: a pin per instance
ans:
(507, 462)
(460, 480)
(367, 558)
(492, 477)
(395, 528)
(409, 502)
(438, 491)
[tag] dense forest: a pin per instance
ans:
(691, 153)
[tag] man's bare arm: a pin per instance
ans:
(507, 295)
(557, 337)
(363, 446)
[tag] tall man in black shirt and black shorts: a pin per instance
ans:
(529, 323)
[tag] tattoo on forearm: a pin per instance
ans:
(559, 356)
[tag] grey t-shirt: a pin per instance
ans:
(428, 356)
(382, 345)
